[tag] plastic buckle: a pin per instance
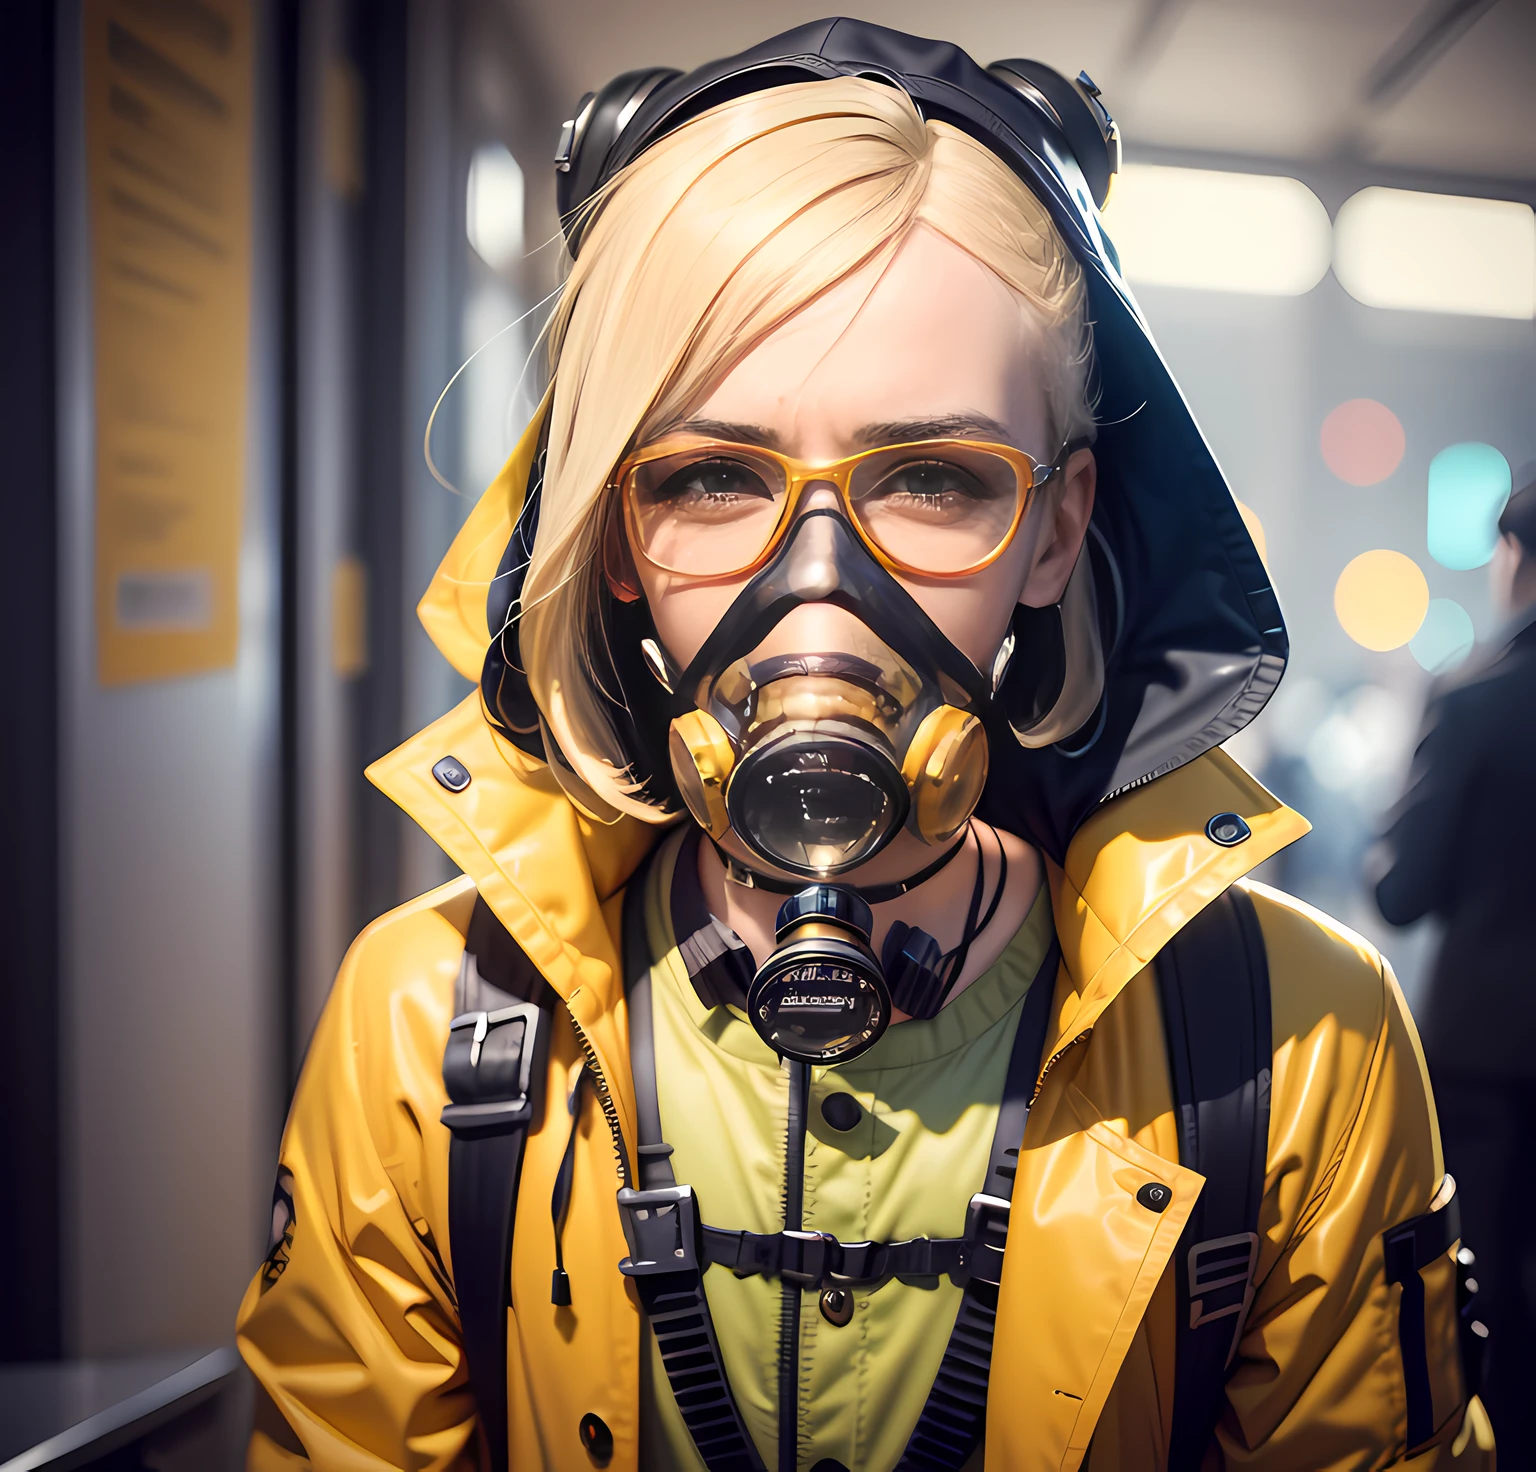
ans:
(808, 1256)
(1217, 1264)
(862, 1262)
(491, 1067)
(662, 1230)
(986, 1235)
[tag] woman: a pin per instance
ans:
(864, 562)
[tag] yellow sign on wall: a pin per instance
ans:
(168, 161)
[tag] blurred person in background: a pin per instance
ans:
(1460, 848)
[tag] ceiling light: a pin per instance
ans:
(1258, 233)
(1437, 253)
(493, 206)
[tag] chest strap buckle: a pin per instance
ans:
(662, 1230)
(986, 1236)
(809, 1259)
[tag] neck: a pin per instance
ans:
(938, 905)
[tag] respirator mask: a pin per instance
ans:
(817, 760)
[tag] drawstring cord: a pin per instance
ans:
(560, 1198)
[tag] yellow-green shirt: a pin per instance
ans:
(929, 1095)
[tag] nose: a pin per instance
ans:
(819, 495)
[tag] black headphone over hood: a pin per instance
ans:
(1194, 643)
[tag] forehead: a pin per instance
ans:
(933, 332)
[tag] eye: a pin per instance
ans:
(706, 483)
(931, 483)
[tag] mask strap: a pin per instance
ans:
(919, 977)
(961, 953)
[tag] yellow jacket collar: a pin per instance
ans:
(1138, 870)
(1142, 866)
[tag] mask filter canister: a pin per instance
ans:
(821, 997)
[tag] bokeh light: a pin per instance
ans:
(1468, 487)
(1216, 231)
(1362, 442)
(1445, 638)
(1437, 252)
(1255, 530)
(1362, 745)
(1381, 598)
(493, 206)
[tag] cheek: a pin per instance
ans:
(974, 614)
(685, 614)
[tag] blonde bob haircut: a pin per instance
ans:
(695, 252)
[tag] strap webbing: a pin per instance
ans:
(954, 1417)
(484, 1163)
(674, 1302)
(1213, 979)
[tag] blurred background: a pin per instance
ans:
(247, 246)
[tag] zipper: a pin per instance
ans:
(604, 1098)
(1054, 1059)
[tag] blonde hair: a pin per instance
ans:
(700, 248)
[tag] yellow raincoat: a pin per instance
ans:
(351, 1328)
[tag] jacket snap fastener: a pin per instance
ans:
(1155, 1196)
(596, 1437)
(452, 774)
(841, 1111)
(837, 1306)
(1228, 830)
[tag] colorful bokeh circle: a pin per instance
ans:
(1362, 442)
(1381, 598)
(1445, 638)
(1468, 487)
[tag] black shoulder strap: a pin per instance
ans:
(493, 1067)
(671, 1283)
(953, 1418)
(1213, 979)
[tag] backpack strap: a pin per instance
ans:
(954, 1417)
(661, 1224)
(1213, 980)
(494, 1070)
(670, 1248)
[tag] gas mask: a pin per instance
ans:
(817, 761)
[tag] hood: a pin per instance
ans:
(1194, 640)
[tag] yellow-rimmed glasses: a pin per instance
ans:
(934, 508)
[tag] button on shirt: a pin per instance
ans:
(927, 1096)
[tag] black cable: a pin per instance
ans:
(789, 1304)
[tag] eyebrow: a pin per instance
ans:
(724, 429)
(888, 432)
(938, 427)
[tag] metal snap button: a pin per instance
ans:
(596, 1437)
(841, 1111)
(452, 774)
(1155, 1196)
(1227, 829)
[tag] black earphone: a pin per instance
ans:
(1026, 112)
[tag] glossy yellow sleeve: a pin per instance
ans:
(1354, 1150)
(349, 1326)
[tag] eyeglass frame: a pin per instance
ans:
(799, 474)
